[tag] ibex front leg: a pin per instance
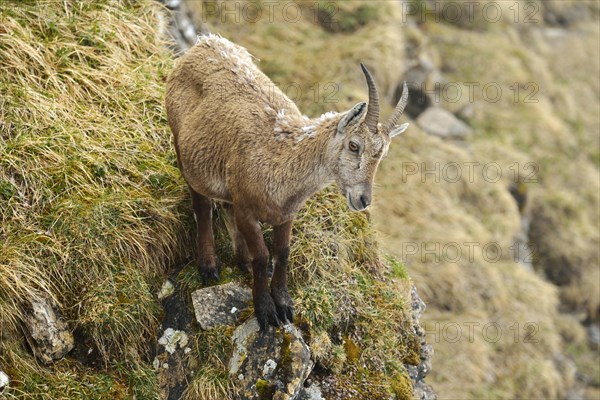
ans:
(264, 307)
(279, 289)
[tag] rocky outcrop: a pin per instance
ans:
(180, 26)
(174, 344)
(276, 364)
(272, 364)
(566, 13)
(442, 123)
(423, 79)
(220, 305)
(417, 373)
(46, 331)
(311, 392)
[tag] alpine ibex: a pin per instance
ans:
(241, 141)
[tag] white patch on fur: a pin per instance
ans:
(308, 131)
(243, 66)
(328, 115)
(296, 128)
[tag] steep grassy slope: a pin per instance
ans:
(94, 213)
(93, 210)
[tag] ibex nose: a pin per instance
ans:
(365, 200)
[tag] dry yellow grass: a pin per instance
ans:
(558, 133)
(93, 208)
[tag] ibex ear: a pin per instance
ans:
(352, 117)
(399, 130)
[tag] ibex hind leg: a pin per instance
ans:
(240, 248)
(205, 242)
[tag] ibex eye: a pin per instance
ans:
(353, 147)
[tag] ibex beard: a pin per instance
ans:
(241, 141)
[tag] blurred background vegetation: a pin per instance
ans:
(94, 212)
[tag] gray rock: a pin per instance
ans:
(422, 391)
(417, 305)
(47, 333)
(180, 26)
(417, 373)
(172, 4)
(4, 381)
(220, 305)
(166, 290)
(594, 335)
(442, 123)
(566, 13)
(272, 364)
(312, 392)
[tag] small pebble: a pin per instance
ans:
(3, 380)
(166, 290)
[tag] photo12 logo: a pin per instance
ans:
(469, 171)
(527, 12)
(454, 252)
(489, 92)
(269, 11)
(491, 332)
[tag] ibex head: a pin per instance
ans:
(361, 142)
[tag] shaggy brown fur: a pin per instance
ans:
(241, 141)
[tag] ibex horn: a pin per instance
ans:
(393, 120)
(372, 117)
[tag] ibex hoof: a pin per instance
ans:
(209, 274)
(265, 311)
(284, 305)
(285, 312)
(245, 267)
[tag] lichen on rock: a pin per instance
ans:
(48, 334)
(171, 339)
(220, 305)
(269, 365)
